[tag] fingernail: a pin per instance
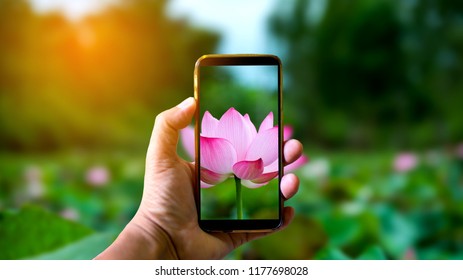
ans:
(186, 103)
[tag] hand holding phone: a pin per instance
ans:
(165, 225)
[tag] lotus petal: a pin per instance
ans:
(251, 185)
(265, 178)
(264, 146)
(217, 155)
(250, 126)
(248, 170)
(267, 123)
(187, 136)
(233, 127)
(205, 186)
(302, 160)
(209, 125)
(211, 178)
(287, 132)
(272, 167)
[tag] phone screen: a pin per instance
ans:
(239, 143)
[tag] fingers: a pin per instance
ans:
(292, 151)
(164, 138)
(288, 216)
(241, 238)
(289, 185)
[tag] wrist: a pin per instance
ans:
(141, 239)
(158, 242)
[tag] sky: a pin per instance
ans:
(72, 9)
(242, 23)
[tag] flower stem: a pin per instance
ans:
(239, 200)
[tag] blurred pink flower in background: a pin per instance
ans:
(232, 146)
(319, 168)
(404, 162)
(459, 151)
(410, 254)
(70, 214)
(97, 176)
(34, 183)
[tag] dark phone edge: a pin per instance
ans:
(240, 225)
(238, 59)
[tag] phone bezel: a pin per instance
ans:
(232, 225)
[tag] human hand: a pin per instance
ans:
(166, 223)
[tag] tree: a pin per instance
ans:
(360, 70)
(96, 82)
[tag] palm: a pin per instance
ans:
(173, 209)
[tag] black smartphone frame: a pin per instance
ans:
(231, 225)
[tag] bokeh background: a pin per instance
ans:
(373, 89)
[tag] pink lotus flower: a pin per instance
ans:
(34, 182)
(405, 162)
(233, 147)
(70, 214)
(459, 151)
(410, 254)
(97, 176)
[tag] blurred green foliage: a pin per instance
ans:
(373, 73)
(83, 249)
(350, 206)
(367, 77)
(32, 230)
(61, 182)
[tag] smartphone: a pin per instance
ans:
(238, 142)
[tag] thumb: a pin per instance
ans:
(164, 138)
